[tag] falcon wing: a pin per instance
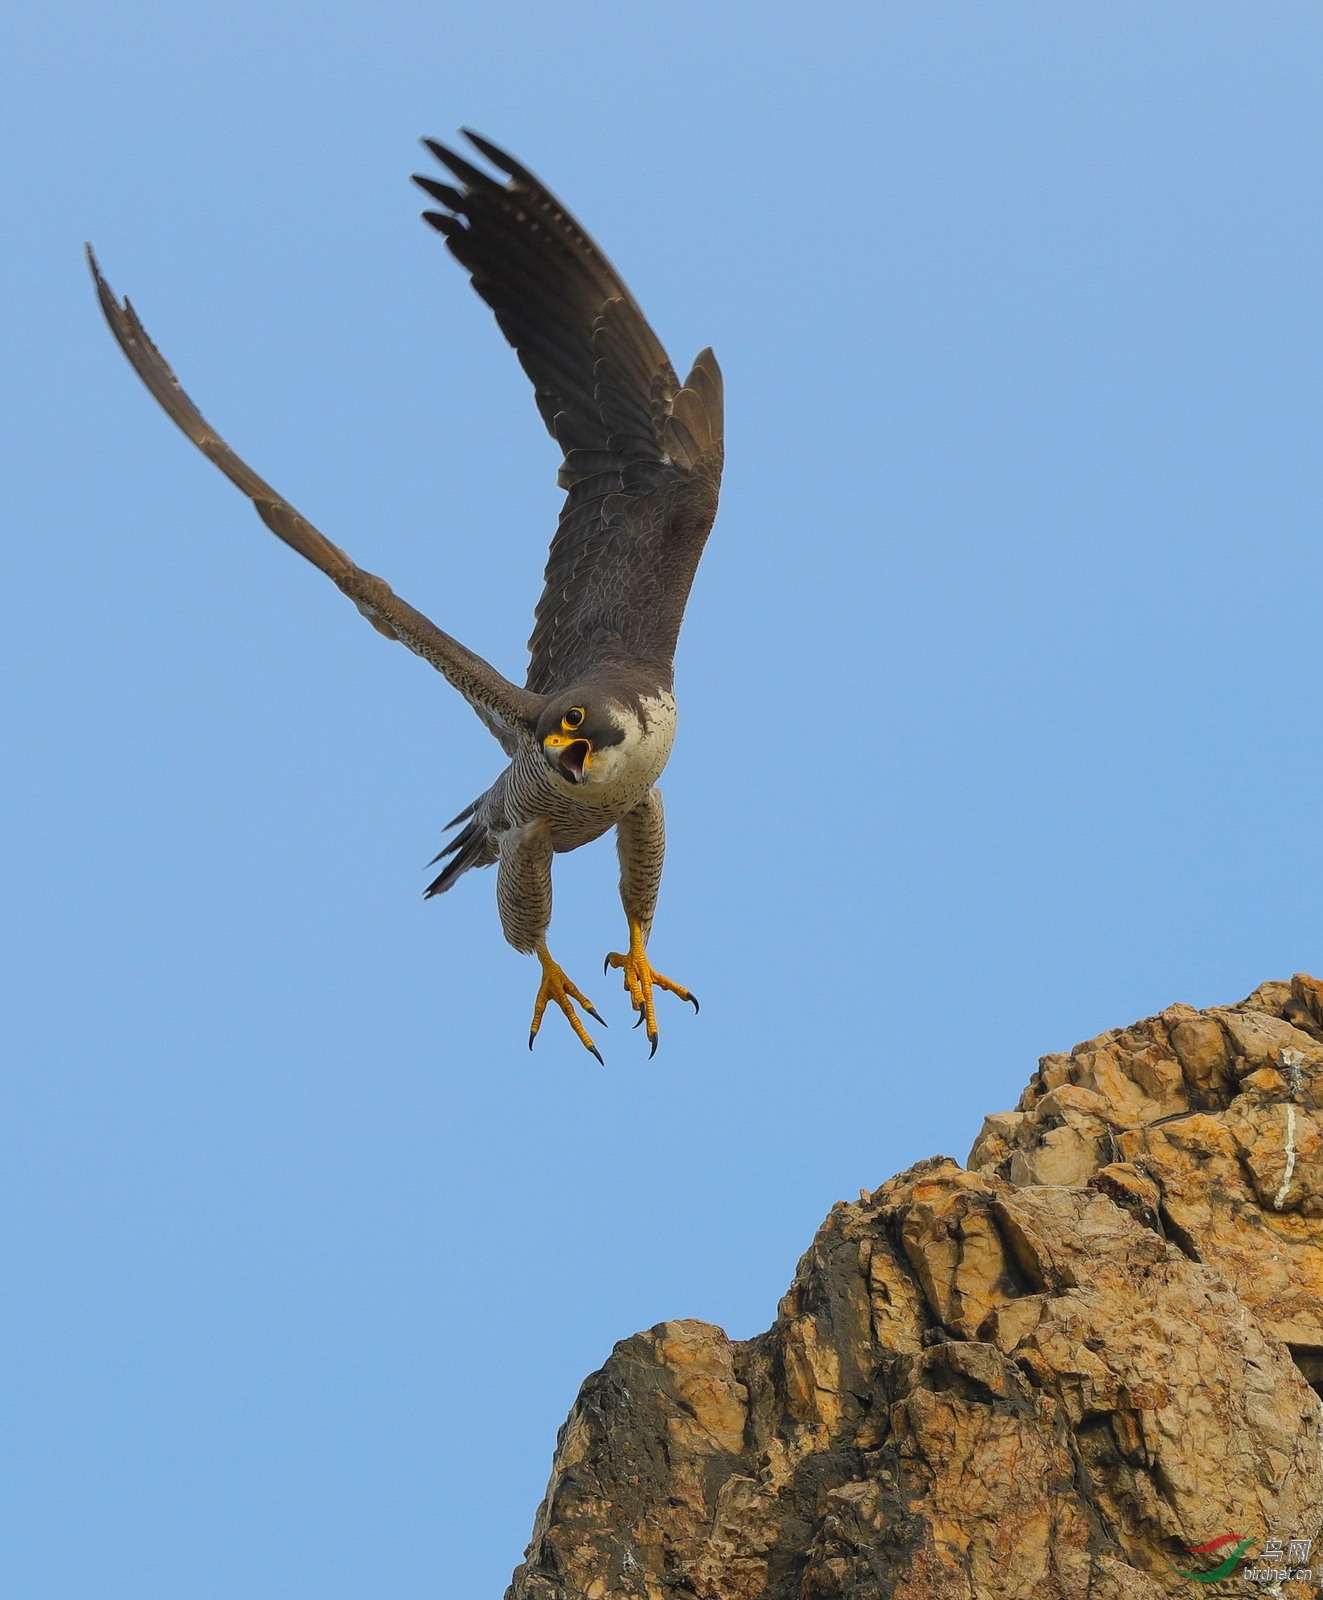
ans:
(642, 453)
(503, 707)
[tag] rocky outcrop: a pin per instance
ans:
(1056, 1372)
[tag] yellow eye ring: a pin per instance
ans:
(572, 719)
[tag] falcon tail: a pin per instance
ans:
(471, 847)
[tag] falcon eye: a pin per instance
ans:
(572, 718)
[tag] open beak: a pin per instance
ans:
(570, 755)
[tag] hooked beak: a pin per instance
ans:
(570, 755)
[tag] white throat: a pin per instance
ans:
(629, 769)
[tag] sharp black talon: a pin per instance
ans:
(642, 1018)
(653, 1051)
(598, 1054)
(531, 1037)
(593, 1014)
(606, 966)
(693, 1001)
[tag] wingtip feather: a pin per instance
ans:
(500, 158)
(464, 170)
(439, 191)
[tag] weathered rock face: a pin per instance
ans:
(1050, 1374)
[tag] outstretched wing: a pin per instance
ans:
(642, 453)
(503, 707)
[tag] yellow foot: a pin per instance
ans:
(556, 986)
(640, 980)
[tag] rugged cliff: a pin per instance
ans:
(1057, 1372)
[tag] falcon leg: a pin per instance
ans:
(641, 844)
(556, 986)
(641, 978)
(523, 898)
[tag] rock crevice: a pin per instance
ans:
(1053, 1372)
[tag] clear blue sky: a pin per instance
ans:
(999, 698)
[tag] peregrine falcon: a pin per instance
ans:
(589, 733)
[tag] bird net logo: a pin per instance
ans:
(1278, 1563)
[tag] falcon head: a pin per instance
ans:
(575, 731)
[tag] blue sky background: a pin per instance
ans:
(999, 706)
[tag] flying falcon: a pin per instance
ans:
(590, 731)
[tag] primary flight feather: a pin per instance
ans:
(590, 731)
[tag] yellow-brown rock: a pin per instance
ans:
(1054, 1373)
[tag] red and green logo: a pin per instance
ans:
(1226, 1567)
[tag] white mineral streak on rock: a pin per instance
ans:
(1279, 1199)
